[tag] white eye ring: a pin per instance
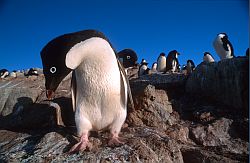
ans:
(52, 70)
(128, 57)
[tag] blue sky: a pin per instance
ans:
(147, 26)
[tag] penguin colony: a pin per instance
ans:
(170, 64)
(99, 86)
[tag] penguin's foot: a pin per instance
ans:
(81, 145)
(116, 141)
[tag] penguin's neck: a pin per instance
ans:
(94, 49)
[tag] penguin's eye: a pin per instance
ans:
(128, 57)
(52, 70)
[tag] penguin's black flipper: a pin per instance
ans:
(123, 73)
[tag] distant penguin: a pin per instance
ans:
(208, 57)
(223, 46)
(32, 71)
(143, 69)
(247, 52)
(99, 83)
(190, 66)
(172, 61)
(13, 74)
(128, 58)
(4, 73)
(154, 67)
(161, 63)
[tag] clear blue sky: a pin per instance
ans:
(147, 26)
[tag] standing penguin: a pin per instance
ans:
(172, 61)
(161, 63)
(208, 57)
(143, 69)
(154, 67)
(223, 46)
(190, 66)
(99, 89)
(128, 58)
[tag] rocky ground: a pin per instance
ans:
(177, 118)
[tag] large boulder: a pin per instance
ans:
(224, 82)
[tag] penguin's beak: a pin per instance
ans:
(50, 94)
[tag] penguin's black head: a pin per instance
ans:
(128, 58)
(144, 62)
(162, 54)
(174, 53)
(206, 53)
(54, 68)
(191, 62)
(223, 36)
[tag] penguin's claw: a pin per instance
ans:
(81, 145)
(116, 141)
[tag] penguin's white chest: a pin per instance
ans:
(161, 64)
(100, 97)
(208, 58)
(143, 68)
(223, 53)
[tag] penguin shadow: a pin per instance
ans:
(39, 119)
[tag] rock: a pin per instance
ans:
(167, 125)
(224, 82)
(13, 74)
(215, 134)
(153, 108)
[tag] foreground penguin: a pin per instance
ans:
(223, 46)
(128, 58)
(161, 63)
(172, 61)
(208, 57)
(99, 89)
(143, 69)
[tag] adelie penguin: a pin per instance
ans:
(207, 57)
(223, 46)
(154, 67)
(161, 63)
(99, 84)
(128, 58)
(143, 69)
(172, 61)
(190, 66)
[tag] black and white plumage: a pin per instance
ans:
(172, 61)
(223, 46)
(128, 58)
(161, 63)
(143, 68)
(207, 57)
(4, 73)
(154, 67)
(99, 83)
(190, 66)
